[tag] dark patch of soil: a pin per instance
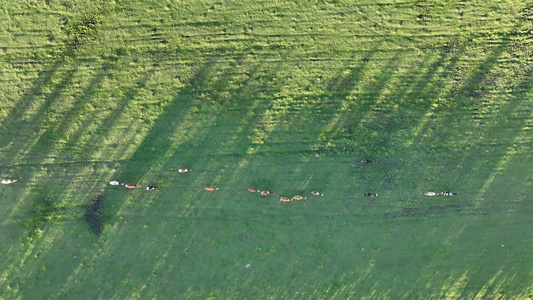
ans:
(93, 216)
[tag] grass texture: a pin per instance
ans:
(276, 95)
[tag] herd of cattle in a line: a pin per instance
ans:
(253, 190)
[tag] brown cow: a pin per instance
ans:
(285, 199)
(298, 197)
(253, 190)
(211, 188)
(131, 186)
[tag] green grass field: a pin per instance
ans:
(278, 95)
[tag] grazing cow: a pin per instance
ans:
(151, 187)
(448, 194)
(367, 161)
(370, 195)
(253, 190)
(183, 170)
(131, 186)
(114, 182)
(298, 197)
(431, 194)
(264, 193)
(211, 188)
(315, 193)
(8, 181)
(285, 199)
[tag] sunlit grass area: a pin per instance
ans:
(281, 96)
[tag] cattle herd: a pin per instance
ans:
(252, 190)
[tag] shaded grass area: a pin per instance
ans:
(279, 96)
(44, 211)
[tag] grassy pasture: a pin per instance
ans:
(285, 96)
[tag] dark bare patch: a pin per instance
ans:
(93, 216)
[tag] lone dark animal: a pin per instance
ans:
(151, 187)
(370, 195)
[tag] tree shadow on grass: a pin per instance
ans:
(38, 154)
(147, 155)
(159, 135)
(51, 136)
(470, 208)
(17, 119)
(108, 124)
(158, 140)
(339, 134)
(33, 160)
(188, 127)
